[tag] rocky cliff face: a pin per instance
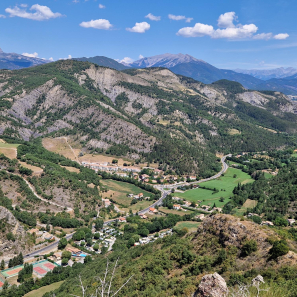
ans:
(137, 108)
(9, 224)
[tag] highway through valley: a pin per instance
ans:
(164, 194)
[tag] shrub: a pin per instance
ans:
(278, 249)
(249, 247)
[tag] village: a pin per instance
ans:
(145, 174)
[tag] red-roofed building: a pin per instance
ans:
(122, 220)
(153, 210)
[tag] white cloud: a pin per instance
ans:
(24, 5)
(101, 6)
(153, 17)
(265, 36)
(2, 16)
(281, 36)
(198, 30)
(226, 20)
(179, 18)
(227, 29)
(51, 59)
(97, 24)
(41, 13)
(140, 57)
(245, 31)
(34, 55)
(127, 60)
(139, 27)
(68, 58)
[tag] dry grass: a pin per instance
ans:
(33, 168)
(40, 292)
(270, 130)
(71, 169)
(250, 203)
(174, 211)
(60, 146)
(233, 132)
(10, 153)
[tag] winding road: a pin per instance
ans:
(53, 245)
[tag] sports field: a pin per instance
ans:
(118, 191)
(41, 268)
(225, 184)
(10, 272)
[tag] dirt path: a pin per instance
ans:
(66, 140)
(69, 209)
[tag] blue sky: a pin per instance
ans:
(226, 33)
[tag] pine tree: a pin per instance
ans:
(20, 259)
(2, 265)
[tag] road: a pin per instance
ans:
(53, 245)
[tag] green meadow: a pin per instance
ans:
(225, 184)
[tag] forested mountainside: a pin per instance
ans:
(173, 266)
(149, 114)
(62, 198)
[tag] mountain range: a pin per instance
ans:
(200, 70)
(280, 79)
(267, 74)
(148, 115)
(14, 61)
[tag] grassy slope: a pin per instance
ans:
(191, 226)
(119, 191)
(226, 182)
(40, 292)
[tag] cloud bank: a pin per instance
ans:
(227, 29)
(41, 13)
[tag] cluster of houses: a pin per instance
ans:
(106, 166)
(77, 256)
(152, 238)
(291, 222)
(156, 177)
(41, 236)
(138, 196)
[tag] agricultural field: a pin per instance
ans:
(118, 191)
(190, 225)
(248, 204)
(35, 169)
(71, 169)
(41, 291)
(225, 184)
(8, 149)
(61, 146)
(174, 211)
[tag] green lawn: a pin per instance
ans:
(118, 192)
(8, 145)
(225, 184)
(40, 292)
(192, 226)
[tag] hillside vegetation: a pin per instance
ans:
(174, 265)
(148, 115)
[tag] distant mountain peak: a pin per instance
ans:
(1, 51)
(165, 60)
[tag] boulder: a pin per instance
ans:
(212, 285)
